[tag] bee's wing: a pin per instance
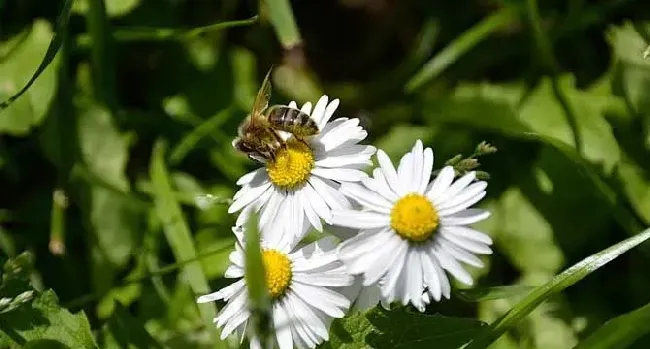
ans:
(262, 98)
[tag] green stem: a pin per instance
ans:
(549, 62)
(101, 54)
(57, 224)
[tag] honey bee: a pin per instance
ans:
(258, 135)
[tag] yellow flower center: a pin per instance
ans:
(413, 217)
(292, 165)
(277, 268)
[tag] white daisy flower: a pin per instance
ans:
(304, 179)
(412, 230)
(304, 285)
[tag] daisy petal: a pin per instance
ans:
(249, 196)
(389, 172)
(339, 174)
(465, 217)
(359, 219)
(329, 111)
(441, 183)
(455, 188)
(319, 109)
(282, 323)
(329, 192)
(427, 167)
(366, 197)
(306, 108)
(469, 233)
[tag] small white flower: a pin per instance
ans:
(412, 230)
(304, 285)
(304, 180)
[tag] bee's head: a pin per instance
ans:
(255, 149)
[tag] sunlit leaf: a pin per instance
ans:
(44, 319)
(498, 108)
(25, 99)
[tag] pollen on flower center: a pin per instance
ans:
(277, 268)
(413, 217)
(292, 165)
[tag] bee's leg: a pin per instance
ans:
(279, 139)
(303, 141)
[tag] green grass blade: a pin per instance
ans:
(178, 233)
(258, 297)
(52, 50)
(567, 278)
(619, 332)
(481, 294)
(460, 46)
(190, 141)
(281, 17)
(131, 34)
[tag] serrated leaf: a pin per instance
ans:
(399, 328)
(25, 99)
(619, 332)
(566, 279)
(45, 319)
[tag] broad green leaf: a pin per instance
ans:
(45, 319)
(281, 18)
(123, 331)
(619, 332)
(400, 329)
(501, 112)
(544, 115)
(481, 294)
(178, 233)
(28, 55)
(461, 45)
(21, 56)
(105, 151)
(521, 231)
(631, 77)
(566, 279)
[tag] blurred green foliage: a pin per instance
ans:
(103, 156)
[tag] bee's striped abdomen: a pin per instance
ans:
(292, 120)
